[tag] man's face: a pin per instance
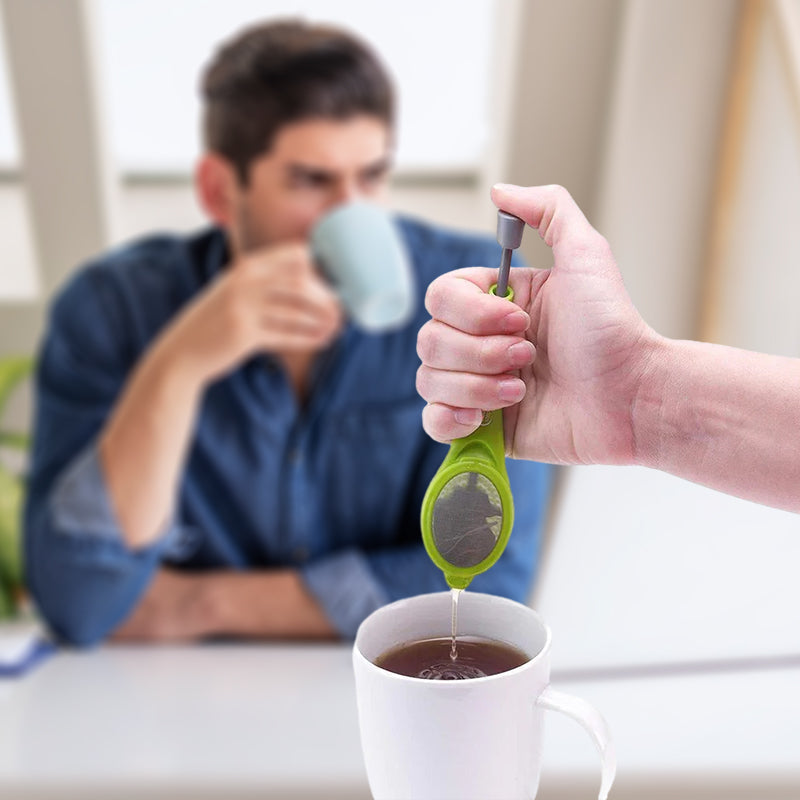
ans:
(312, 166)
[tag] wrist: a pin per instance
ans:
(649, 403)
(172, 366)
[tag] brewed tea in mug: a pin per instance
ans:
(436, 659)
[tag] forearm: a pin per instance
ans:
(267, 604)
(271, 604)
(143, 446)
(724, 417)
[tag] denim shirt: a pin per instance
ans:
(332, 489)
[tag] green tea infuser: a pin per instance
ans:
(468, 510)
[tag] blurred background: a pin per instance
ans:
(676, 126)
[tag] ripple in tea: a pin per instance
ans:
(430, 659)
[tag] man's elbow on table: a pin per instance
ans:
(82, 591)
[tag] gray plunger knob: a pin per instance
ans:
(509, 230)
(509, 237)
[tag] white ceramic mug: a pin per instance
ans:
(478, 739)
(359, 249)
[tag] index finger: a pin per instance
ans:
(291, 258)
(461, 300)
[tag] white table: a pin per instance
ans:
(222, 721)
(674, 610)
(279, 721)
(727, 734)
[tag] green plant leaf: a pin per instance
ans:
(17, 441)
(11, 494)
(6, 605)
(12, 372)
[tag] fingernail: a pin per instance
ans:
(511, 390)
(521, 353)
(515, 322)
(468, 416)
(507, 187)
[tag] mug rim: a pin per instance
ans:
(531, 663)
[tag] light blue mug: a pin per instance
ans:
(359, 249)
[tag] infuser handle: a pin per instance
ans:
(593, 723)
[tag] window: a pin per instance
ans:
(18, 276)
(438, 52)
(9, 147)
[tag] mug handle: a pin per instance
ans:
(593, 723)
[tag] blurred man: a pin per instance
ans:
(218, 451)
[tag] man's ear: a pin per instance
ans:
(216, 185)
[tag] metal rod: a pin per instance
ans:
(509, 237)
(502, 275)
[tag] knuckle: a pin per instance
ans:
(426, 344)
(301, 251)
(245, 270)
(487, 314)
(603, 248)
(296, 280)
(300, 256)
(434, 297)
(591, 247)
(485, 355)
(423, 382)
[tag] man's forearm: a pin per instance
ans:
(267, 604)
(271, 604)
(724, 417)
(144, 444)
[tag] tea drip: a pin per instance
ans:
(454, 623)
(468, 510)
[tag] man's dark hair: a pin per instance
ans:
(283, 72)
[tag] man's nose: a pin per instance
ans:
(346, 191)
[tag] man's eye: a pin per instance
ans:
(371, 179)
(310, 181)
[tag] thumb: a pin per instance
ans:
(553, 212)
